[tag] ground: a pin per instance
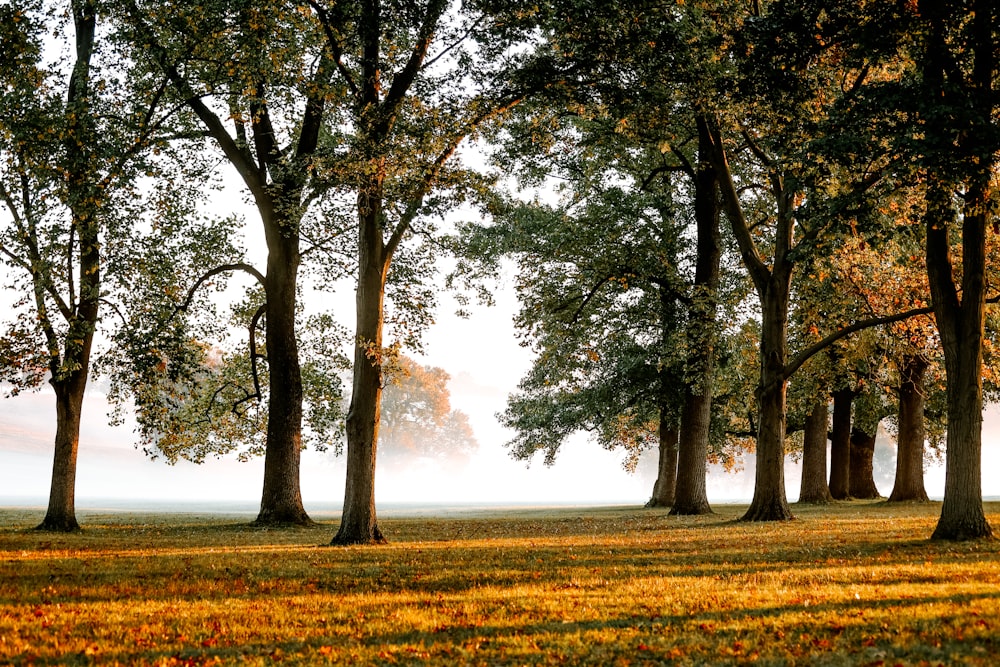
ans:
(846, 584)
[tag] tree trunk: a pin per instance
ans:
(814, 487)
(840, 445)
(691, 495)
(862, 465)
(61, 513)
(281, 498)
(909, 481)
(359, 524)
(961, 327)
(769, 500)
(959, 309)
(666, 478)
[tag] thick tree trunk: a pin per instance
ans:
(840, 445)
(61, 512)
(814, 488)
(691, 496)
(862, 465)
(909, 481)
(959, 309)
(359, 524)
(961, 327)
(666, 478)
(769, 500)
(281, 499)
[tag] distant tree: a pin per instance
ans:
(418, 421)
(814, 487)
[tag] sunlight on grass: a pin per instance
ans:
(850, 584)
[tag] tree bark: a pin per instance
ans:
(959, 309)
(281, 497)
(814, 488)
(691, 495)
(359, 523)
(840, 445)
(961, 327)
(908, 485)
(773, 286)
(61, 513)
(862, 484)
(666, 478)
(769, 500)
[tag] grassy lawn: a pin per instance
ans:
(850, 584)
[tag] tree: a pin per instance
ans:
(417, 418)
(418, 80)
(814, 488)
(256, 77)
(957, 64)
(76, 138)
(909, 480)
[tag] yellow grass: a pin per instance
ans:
(851, 584)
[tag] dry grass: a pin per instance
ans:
(844, 585)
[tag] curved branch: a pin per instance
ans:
(253, 351)
(238, 266)
(804, 356)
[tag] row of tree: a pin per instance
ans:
(849, 147)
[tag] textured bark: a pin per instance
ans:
(281, 498)
(840, 445)
(814, 487)
(862, 465)
(691, 496)
(772, 282)
(959, 309)
(61, 512)
(769, 500)
(666, 478)
(359, 523)
(909, 481)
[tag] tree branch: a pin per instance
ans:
(804, 356)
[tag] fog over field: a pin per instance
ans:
(485, 363)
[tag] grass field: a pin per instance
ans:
(850, 584)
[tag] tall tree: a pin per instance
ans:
(958, 65)
(418, 79)
(256, 76)
(75, 139)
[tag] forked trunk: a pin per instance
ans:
(909, 482)
(959, 309)
(666, 477)
(814, 488)
(61, 512)
(862, 465)
(840, 445)
(769, 500)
